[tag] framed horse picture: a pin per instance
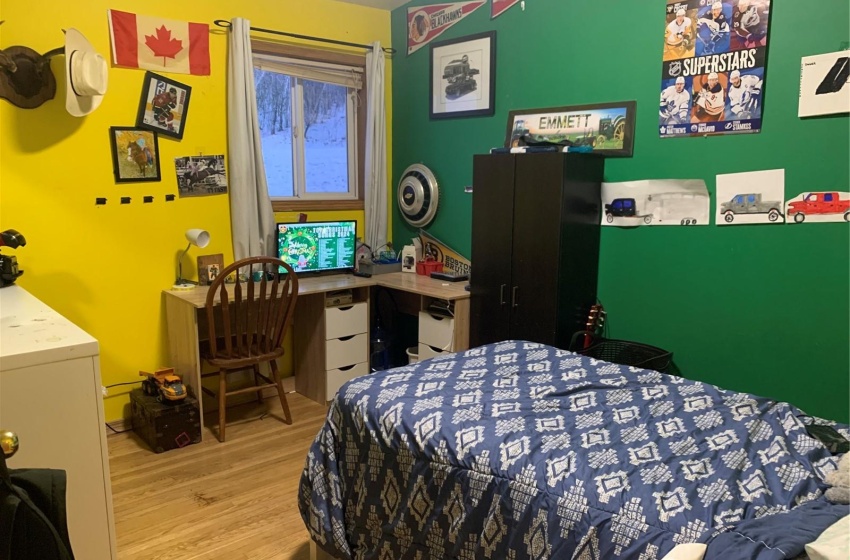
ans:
(135, 154)
(163, 106)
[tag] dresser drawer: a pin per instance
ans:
(436, 331)
(346, 320)
(342, 352)
(427, 352)
(336, 377)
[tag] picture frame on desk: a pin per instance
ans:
(209, 267)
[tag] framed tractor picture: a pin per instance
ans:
(463, 77)
(608, 128)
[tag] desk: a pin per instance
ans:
(184, 315)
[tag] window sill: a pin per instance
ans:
(301, 205)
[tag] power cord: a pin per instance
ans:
(117, 431)
(127, 383)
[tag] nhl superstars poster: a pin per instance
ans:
(714, 67)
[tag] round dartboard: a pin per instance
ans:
(418, 195)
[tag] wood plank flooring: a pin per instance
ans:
(235, 500)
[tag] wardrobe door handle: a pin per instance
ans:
(502, 300)
(515, 290)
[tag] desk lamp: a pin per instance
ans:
(199, 237)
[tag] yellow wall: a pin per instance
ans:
(105, 267)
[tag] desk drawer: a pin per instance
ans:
(336, 377)
(346, 320)
(342, 352)
(427, 352)
(436, 331)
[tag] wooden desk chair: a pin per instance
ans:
(246, 329)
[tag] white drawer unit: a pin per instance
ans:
(336, 377)
(50, 395)
(346, 320)
(427, 352)
(341, 352)
(436, 331)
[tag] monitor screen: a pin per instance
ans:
(317, 246)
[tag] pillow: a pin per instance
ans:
(833, 544)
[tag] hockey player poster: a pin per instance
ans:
(713, 67)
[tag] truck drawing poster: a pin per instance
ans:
(713, 70)
(754, 197)
(606, 127)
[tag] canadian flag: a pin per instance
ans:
(159, 44)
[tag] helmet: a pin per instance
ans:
(712, 76)
(735, 74)
(717, 6)
(680, 12)
(172, 91)
(680, 80)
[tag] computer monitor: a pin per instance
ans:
(317, 246)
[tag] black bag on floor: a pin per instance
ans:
(33, 519)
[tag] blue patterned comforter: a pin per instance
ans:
(518, 450)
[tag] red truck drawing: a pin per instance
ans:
(819, 203)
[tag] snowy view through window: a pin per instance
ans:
(325, 134)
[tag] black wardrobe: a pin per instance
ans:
(535, 246)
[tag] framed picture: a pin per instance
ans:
(609, 128)
(200, 175)
(209, 267)
(463, 77)
(164, 105)
(135, 154)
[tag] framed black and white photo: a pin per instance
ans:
(163, 106)
(463, 77)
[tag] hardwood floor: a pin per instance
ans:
(235, 500)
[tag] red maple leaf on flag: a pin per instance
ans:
(163, 45)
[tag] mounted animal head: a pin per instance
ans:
(26, 79)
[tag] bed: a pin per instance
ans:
(518, 450)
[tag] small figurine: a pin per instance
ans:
(164, 385)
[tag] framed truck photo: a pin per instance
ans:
(609, 128)
(463, 77)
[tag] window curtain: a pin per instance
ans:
(251, 216)
(376, 150)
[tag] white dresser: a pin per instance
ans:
(50, 395)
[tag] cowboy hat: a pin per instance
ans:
(25, 77)
(86, 75)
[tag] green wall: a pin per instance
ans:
(763, 309)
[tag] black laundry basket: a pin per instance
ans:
(623, 352)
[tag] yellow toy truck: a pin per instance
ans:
(164, 384)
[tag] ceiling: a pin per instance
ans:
(382, 4)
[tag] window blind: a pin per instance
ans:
(337, 74)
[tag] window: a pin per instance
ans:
(827, 197)
(312, 126)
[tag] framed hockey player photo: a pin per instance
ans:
(163, 106)
(463, 77)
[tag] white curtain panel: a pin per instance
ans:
(376, 150)
(251, 216)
